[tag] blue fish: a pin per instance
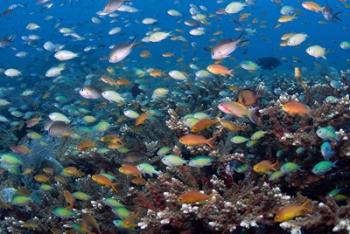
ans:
(327, 133)
(326, 150)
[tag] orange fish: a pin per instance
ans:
(138, 181)
(192, 197)
(202, 124)
(295, 108)
(155, 73)
(232, 126)
(108, 80)
(72, 171)
(104, 181)
(130, 170)
(247, 97)
(293, 210)
(32, 122)
(265, 166)
(167, 54)
(110, 138)
(145, 54)
(20, 149)
(41, 178)
(69, 198)
(86, 145)
(122, 82)
(197, 140)
(141, 119)
(234, 108)
(312, 6)
(219, 70)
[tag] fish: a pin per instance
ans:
(247, 97)
(329, 15)
(234, 108)
(173, 160)
(226, 47)
(90, 92)
(265, 166)
(197, 140)
(69, 198)
(294, 108)
(202, 125)
(147, 169)
(121, 51)
(200, 161)
(104, 181)
(292, 211)
(130, 170)
(323, 167)
(112, 6)
(311, 6)
(220, 70)
(192, 197)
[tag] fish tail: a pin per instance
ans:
(307, 205)
(275, 166)
(210, 142)
(114, 187)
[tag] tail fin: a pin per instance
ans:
(210, 142)
(336, 16)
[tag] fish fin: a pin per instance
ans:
(275, 166)
(210, 141)
(336, 16)
(307, 205)
(114, 187)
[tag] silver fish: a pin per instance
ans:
(120, 52)
(90, 92)
(226, 47)
(112, 6)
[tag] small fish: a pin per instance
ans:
(70, 200)
(120, 52)
(327, 151)
(63, 212)
(104, 181)
(81, 196)
(327, 133)
(292, 210)
(197, 140)
(200, 161)
(173, 160)
(141, 119)
(258, 135)
(239, 139)
(129, 170)
(323, 167)
(72, 171)
(329, 15)
(226, 47)
(192, 197)
(220, 70)
(234, 108)
(286, 18)
(247, 97)
(10, 158)
(147, 169)
(202, 125)
(289, 167)
(265, 166)
(312, 6)
(121, 211)
(20, 200)
(295, 108)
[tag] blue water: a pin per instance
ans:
(78, 15)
